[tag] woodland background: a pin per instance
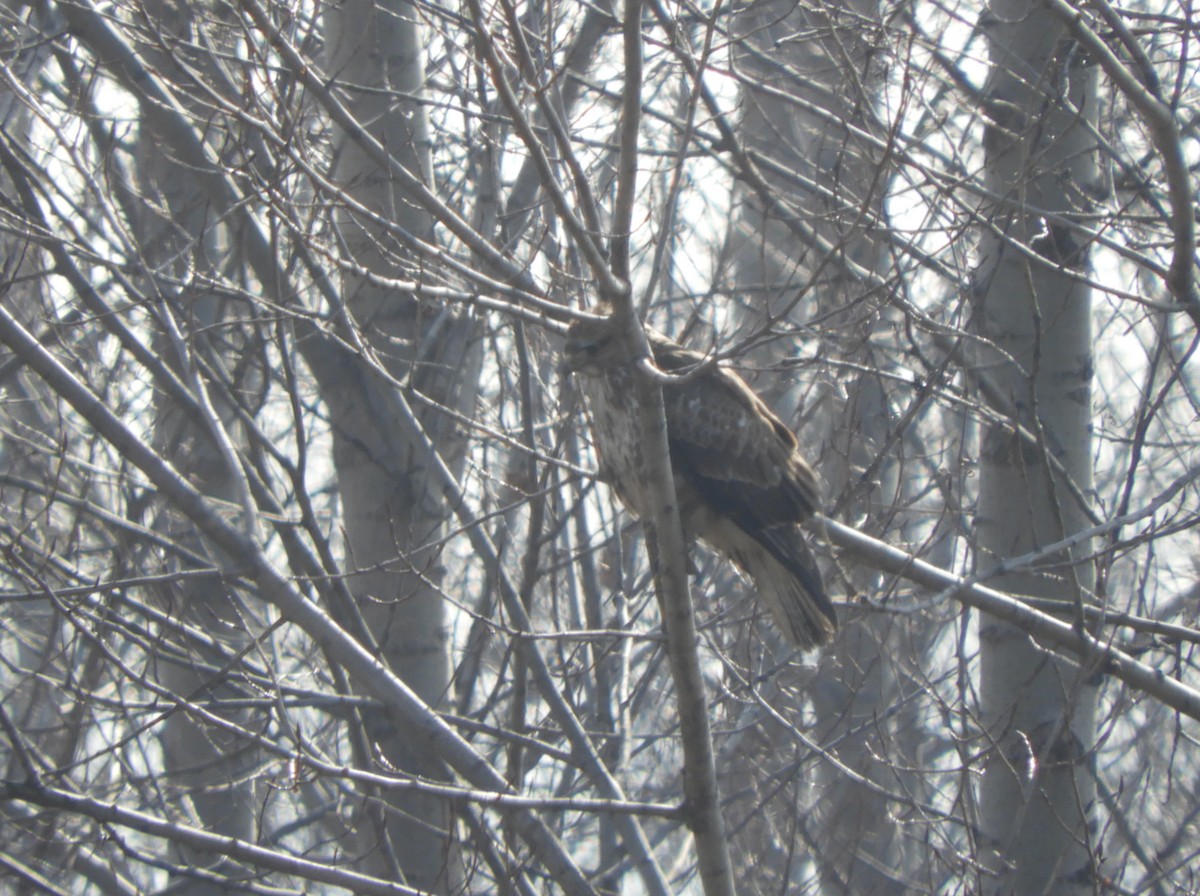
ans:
(307, 583)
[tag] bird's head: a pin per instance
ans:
(592, 346)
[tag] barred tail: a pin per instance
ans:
(788, 580)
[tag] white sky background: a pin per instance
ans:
(940, 133)
(937, 131)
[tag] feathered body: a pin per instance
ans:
(741, 484)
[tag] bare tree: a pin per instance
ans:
(1036, 481)
(809, 247)
(394, 514)
(309, 576)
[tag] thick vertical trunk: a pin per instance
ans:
(394, 520)
(31, 633)
(211, 768)
(797, 269)
(1037, 792)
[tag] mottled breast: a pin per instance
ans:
(615, 429)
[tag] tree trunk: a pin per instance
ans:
(395, 522)
(32, 633)
(183, 244)
(1038, 712)
(809, 263)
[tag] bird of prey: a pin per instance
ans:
(741, 484)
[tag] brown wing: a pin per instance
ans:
(728, 443)
(740, 460)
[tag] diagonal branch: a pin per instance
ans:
(35, 793)
(277, 589)
(1042, 626)
(1164, 132)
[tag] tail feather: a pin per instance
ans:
(787, 578)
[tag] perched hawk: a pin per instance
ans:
(741, 483)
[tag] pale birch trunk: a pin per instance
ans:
(211, 771)
(395, 521)
(1036, 796)
(31, 633)
(795, 271)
